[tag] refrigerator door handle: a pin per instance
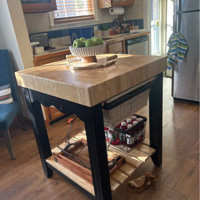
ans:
(176, 23)
(180, 6)
(179, 23)
(177, 17)
(177, 6)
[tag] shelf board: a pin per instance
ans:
(74, 177)
(136, 157)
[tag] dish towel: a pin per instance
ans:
(178, 48)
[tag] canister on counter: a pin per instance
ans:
(38, 50)
(33, 45)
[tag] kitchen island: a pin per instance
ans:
(83, 92)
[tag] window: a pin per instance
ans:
(155, 27)
(71, 10)
(170, 8)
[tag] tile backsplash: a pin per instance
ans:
(61, 41)
(86, 32)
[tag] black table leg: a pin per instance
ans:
(97, 151)
(39, 130)
(155, 117)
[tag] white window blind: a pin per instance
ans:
(74, 9)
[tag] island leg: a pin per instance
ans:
(155, 117)
(97, 151)
(39, 131)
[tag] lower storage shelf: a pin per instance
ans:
(77, 179)
(136, 157)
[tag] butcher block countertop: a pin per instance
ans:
(122, 37)
(92, 86)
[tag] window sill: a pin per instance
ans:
(72, 24)
(75, 19)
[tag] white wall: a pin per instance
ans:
(14, 37)
(13, 33)
(21, 32)
(40, 22)
(136, 11)
(7, 33)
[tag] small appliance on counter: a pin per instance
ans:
(43, 40)
(37, 49)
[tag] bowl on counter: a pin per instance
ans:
(88, 54)
(87, 51)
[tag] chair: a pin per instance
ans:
(8, 112)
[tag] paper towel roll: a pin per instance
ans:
(116, 11)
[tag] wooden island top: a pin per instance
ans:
(92, 86)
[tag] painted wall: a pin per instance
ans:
(40, 22)
(14, 34)
(14, 37)
(7, 33)
(136, 11)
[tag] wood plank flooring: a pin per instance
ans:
(178, 177)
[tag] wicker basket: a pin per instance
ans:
(87, 51)
(117, 114)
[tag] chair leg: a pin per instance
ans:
(8, 143)
(22, 121)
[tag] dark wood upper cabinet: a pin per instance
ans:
(38, 6)
(123, 3)
(115, 3)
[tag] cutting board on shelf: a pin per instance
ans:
(77, 160)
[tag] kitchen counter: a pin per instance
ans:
(82, 92)
(60, 51)
(51, 56)
(122, 37)
(57, 49)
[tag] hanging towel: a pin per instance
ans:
(178, 48)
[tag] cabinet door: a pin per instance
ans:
(37, 6)
(51, 57)
(54, 113)
(105, 4)
(122, 3)
(51, 114)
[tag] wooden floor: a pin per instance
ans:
(178, 178)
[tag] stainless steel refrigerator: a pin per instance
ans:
(186, 74)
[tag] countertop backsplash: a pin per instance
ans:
(61, 41)
(61, 37)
